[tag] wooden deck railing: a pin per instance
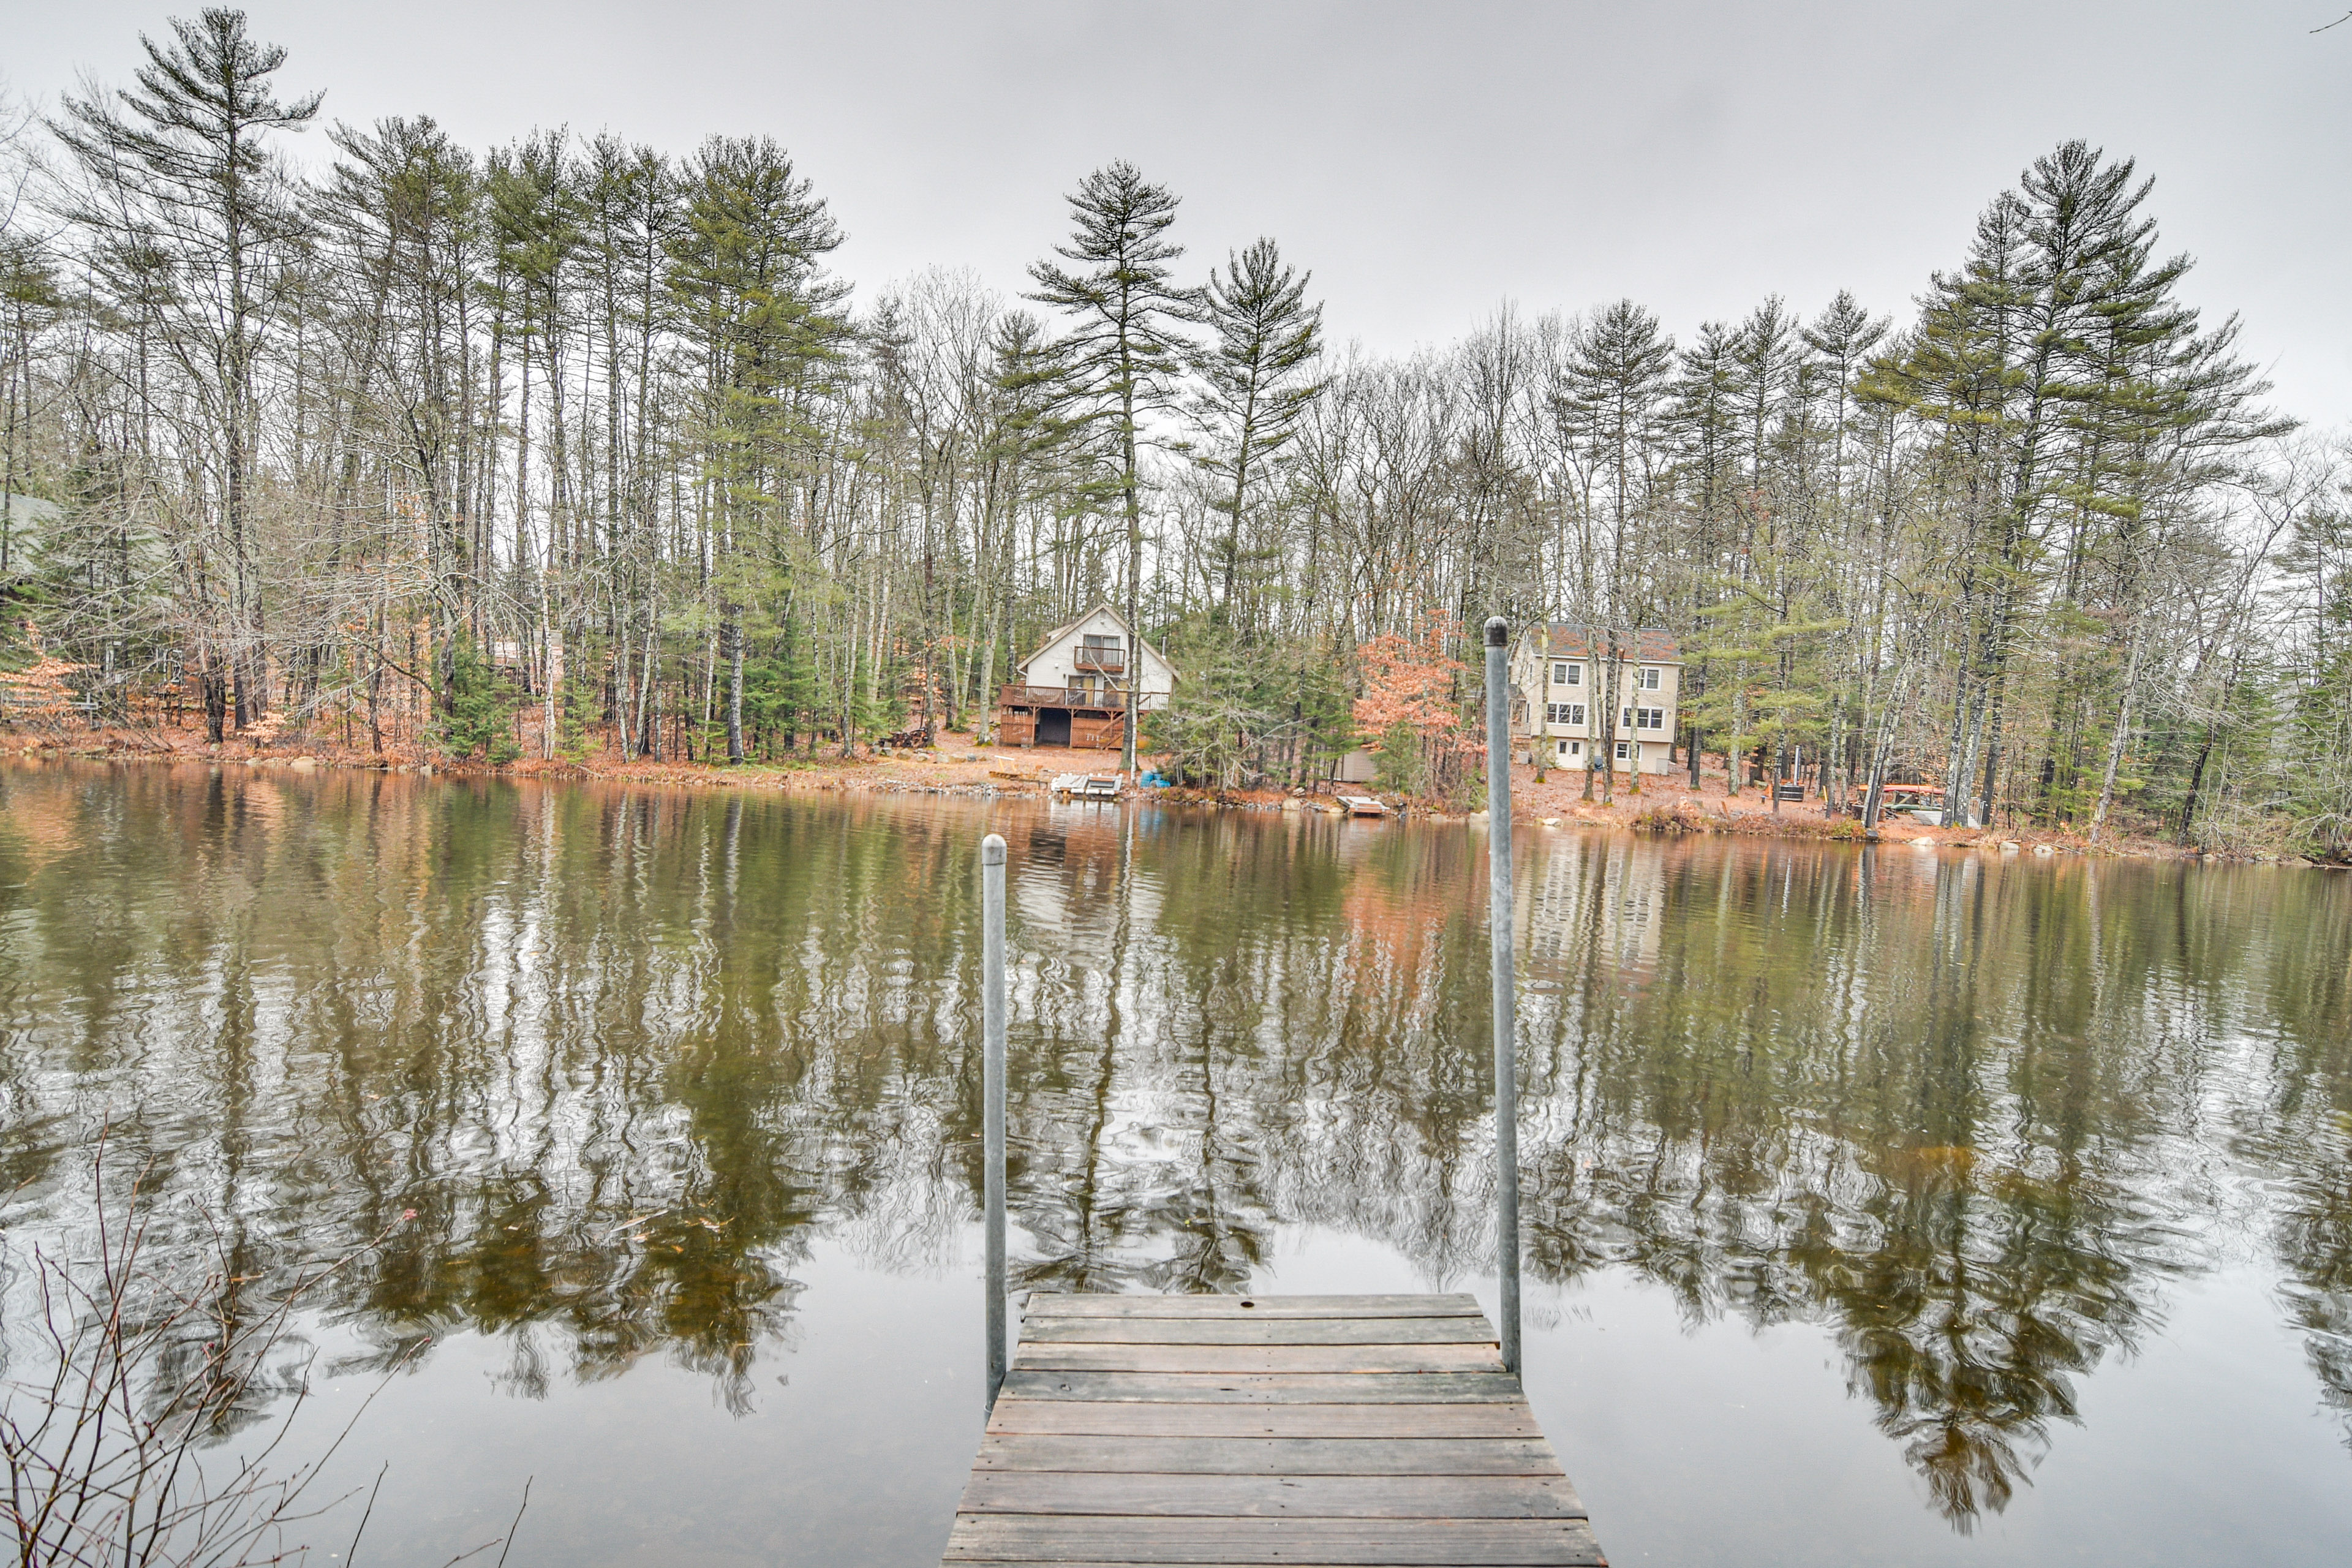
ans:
(1109, 701)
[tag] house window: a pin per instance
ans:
(1624, 750)
(1563, 712)
(1567, 675)
(1100, 652)
(1648, 680)
(1627, 722)
(1649, 718)
(1564, 746)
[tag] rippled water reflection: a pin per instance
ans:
(1886, 1206)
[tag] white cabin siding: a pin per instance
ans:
(1057, 664)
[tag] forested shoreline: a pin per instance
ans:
(582, 447)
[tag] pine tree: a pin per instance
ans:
(746, 268)
(1257, 381)
(1703, 419)
(2064, 384)
(1126, 355)
(2320, 786)
(480, 716)
(404, 203)
(533, 191)
(1618, 369)
(195, 224)
(1219, 722)
(30, 300)
(1849, 563)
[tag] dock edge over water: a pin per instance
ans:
(1295, 1430)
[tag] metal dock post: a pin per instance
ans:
(1503, 930)
(992, 1013)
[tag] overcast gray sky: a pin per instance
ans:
(1427, 163)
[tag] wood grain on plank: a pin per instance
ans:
(1265, 1388)
(1050, 1304)
(1114, 1419)
(1257, 1331)
(1153, 1496)
(1382, 1455)
(1032, 1356)
(1334, 1432)
(1341, 1542)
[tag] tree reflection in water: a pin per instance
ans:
(628, 1053)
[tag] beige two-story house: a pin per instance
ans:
(1560, 674)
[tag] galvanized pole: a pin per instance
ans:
(991, 1014)
(1503, 930)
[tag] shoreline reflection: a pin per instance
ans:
(629, 1054)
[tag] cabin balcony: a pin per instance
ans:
(1106, 698)
(1099, 660)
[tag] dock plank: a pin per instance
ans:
(1064, 1417)
(1247, 1432)
(1389, 1454)
(1233, 1331)
(1267, 1388)
(1046, 1304)
(1269, 1358)
(1342, 1542)
(1157, 1495)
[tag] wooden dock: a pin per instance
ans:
(1293, 1430)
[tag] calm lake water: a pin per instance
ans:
(1890, 1206)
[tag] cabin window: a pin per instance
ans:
(1624, 750)
(1567, 675)
(1649, 718)
(1627, 722)
(1563, 712)
(1648, 680)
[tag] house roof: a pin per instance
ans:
(1645, 645)
(1101, 607)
